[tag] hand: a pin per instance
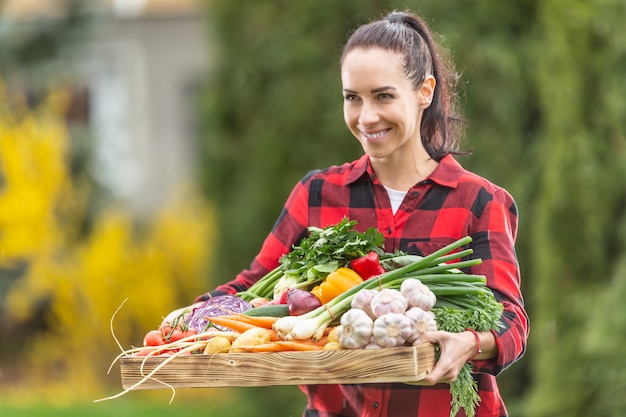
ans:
(456, 350)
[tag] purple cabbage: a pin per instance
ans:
(220, 305)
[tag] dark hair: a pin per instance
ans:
(408, 34)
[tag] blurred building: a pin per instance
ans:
(138, 74)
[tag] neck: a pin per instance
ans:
(403, 173)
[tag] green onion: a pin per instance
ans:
(435, 274)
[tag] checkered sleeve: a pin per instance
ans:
(494, 235)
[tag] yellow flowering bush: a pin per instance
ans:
(74, 278)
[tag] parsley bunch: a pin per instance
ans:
(323, 251)
(334, 246)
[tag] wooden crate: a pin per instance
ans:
(400, 364)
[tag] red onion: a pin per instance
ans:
(301, 301)
(220, 305)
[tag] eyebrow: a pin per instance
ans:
(374, 91)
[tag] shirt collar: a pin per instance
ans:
(447, 173)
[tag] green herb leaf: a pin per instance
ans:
(464, 391)
(329, 248)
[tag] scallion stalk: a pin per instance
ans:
(310, 324)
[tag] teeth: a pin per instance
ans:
(375, 135)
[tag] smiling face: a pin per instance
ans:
(381, 107)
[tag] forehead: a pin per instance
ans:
(372, 66)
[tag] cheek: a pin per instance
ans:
(349, 116)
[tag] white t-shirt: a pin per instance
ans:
(395, 197)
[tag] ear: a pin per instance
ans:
(427, 90)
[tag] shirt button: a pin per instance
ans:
(415, 194)
(375, 405)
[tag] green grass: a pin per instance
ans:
(239, 402)
(122, 408)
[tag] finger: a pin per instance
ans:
(432, 337)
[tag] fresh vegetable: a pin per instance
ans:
(258, 302)
(418, 294)
(323, 251)
(333, 335)
(363, 301)
(332, 346)
(266, 322)
(301, 301)
(238, 324)
(355, 330)
(368, 266)
(216, 306)
(421, 322)
(217, 344)
(280, 346)
(313, 324)
(284, 284)
(266, 310)
(153, 338)
(387, 301)
(251, 337)
(391, 319)
(391, 329)
(336, 283)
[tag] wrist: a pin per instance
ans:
(477, 350)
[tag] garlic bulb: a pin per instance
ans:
(372, 345)
(421, 322)
(417, 294)
(391, 329)
(388, 301)
(355, 329)
(363, 299)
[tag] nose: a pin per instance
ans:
(368, 114)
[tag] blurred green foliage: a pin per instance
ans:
(35, 46)
(542, 90)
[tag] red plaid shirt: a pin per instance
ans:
(450, 204)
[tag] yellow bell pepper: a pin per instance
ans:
(336, 283)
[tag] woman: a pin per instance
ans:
(399, 103)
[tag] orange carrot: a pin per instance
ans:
(239, 326)
(266, 322)
(226, 321)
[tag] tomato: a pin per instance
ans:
(190, 332)
(143, 352)
(176, 335)
(165, 329)
(153, 338)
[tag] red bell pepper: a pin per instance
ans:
(368, 266)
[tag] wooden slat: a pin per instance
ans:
(401, 364)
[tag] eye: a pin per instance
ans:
(350, 97)
(385, 96)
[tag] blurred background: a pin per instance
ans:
(147, 147)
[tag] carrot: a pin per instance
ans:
(320, 342)
(238, 325)
(227, 321)
(280, 346)
(267, 322)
